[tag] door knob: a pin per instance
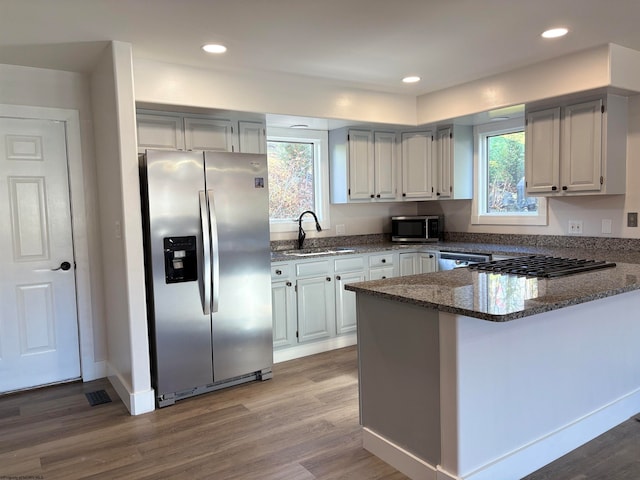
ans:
(63, 266)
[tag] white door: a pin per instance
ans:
(38, 318)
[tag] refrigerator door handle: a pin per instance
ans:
(205, 286)
(215, 257)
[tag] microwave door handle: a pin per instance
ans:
(215, 256)
(205, 278)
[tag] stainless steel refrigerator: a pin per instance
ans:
(207, 260)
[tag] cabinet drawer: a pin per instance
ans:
(381, 260)
(312, 268)
(280, 270)
(380, 273)
(349, 264)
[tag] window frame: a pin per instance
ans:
(479, 215)
(320, 141)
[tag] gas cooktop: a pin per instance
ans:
(541, 266)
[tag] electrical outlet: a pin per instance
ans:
(575, 227)
(606, 225)
(632, 219)
(340, 230)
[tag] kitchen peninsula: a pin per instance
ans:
(473, 375)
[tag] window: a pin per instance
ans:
(298, 177)
(499, 175)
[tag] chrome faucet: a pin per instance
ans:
(301, 233)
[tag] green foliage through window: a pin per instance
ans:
(506, 190)
(291, 183)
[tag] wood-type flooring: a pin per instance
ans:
(301, 425)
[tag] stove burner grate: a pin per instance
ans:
(541, 266)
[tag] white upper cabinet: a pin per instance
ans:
(208, 134)
(417, 166)
(160, 132)
(453, 166)
(581, 150)
(386, 166)
(176, 131)
(542, 150)
(252, 137)
(578, 148)
(363, 165)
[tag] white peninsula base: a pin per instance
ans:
(445, 396)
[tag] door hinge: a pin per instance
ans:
(450, 188)
(450, 134)
(297, 336)
(602, 109)
(431, 189)
(295, 289)
(348, 137)
(601, 180)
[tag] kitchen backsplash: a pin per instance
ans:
(552, 241)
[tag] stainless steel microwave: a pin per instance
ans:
(417, 228)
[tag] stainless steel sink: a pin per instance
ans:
(308, 252)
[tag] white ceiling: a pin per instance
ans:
(370, 44)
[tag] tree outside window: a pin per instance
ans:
(291, 182)
(506, 190)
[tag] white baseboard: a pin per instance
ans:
(312, 348)
(138, 402)
(518, 463)
(397, 457)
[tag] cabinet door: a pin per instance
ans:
(408, 264)
(346, 302)
(443, 163)
(380, 273)
(581, 160)
(385, 164)
(427, 262)
(316, 308)
(208, 134)
(252, 139)
(361, 165)
(417, 168)
(542, 151)
(159, 131)
(283, 300)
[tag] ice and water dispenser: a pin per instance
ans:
(180, 259)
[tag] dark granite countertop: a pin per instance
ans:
(499, 298)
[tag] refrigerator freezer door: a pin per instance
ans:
(242, 325)
(180, 328)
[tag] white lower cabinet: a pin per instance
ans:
(413, 263)
(316, 308)
(284, 305)
(312, 309)
(285, 317)
(348, 269)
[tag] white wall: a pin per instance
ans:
(57, 89)
(169, 84)
(121, 228)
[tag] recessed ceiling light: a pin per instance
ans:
(299, 125)
(214, 48)
(555, 32)
(411, 79)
